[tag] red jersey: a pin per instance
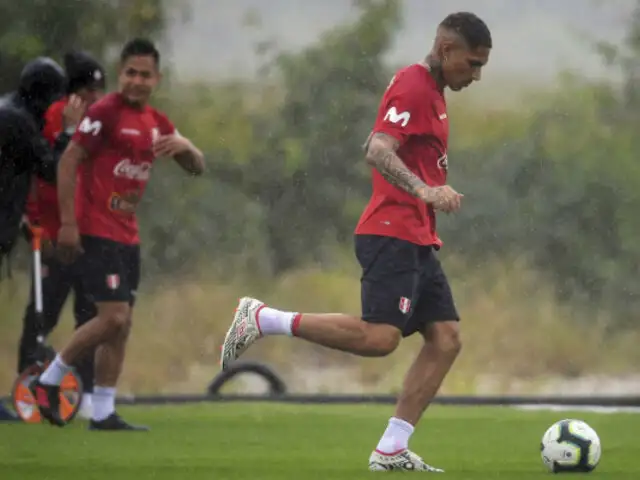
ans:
(118, 139)
(413, 111)
(42, 205)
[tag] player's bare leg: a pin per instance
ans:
(431, 366)
(347, 333)
(253, 320)
(83, 339)
(109, 330)
(422, 382)
(109, 361)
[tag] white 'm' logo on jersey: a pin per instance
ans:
(89, 126)
(393, 116)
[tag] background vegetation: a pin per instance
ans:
(544, 255)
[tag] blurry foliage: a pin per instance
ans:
(555, 179)
(51, 27)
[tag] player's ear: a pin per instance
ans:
(446, 48)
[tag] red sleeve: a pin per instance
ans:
(53, 122)
(164, 124)
(94, 128)
(404, 110)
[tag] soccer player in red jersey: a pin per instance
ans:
(114, 148)
(85, 85)
(403, 287)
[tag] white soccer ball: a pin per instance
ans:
(570, 446)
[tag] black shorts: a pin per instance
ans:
(403, 284)
(110, 271)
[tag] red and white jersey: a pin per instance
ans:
(118, 139)
(413, 110)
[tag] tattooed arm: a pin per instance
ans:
(381, 155)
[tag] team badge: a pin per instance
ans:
(113, 281)
(405, 305)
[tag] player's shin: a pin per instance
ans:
(83, 339)
(423, 380)
(86, 337)
(108, 366)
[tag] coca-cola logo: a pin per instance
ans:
(127, 169)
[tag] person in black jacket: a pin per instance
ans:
(23, 150)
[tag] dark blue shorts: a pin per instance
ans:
(403, 284)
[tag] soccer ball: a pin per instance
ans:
(570, 446)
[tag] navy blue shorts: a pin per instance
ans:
(110, 271)
(402, 284)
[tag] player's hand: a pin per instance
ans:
(48, 250)
(69, 246)
(73, 111)
(170, 145)
(442, 198)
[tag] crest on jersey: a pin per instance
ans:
(113, 281)
(404, 305)
(443, 162)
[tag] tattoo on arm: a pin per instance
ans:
(381, 154)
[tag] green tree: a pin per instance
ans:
(308, 170)
(51, 27)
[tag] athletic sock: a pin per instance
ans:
(55, 372)
(395, 437)
(104, 402)
(275, 322)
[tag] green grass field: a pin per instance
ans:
(276, 441)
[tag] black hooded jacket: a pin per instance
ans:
(23, 150)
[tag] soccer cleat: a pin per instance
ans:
(404, 460)
(243, 332)
(6, 415)
(115, 423)
(48, 402)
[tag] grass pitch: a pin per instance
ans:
(278, 441)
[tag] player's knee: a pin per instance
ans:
(445, 338)
(382, 339)
(117, 318)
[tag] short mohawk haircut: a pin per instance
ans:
(470, 27)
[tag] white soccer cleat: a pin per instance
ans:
(243, 332)
(404, 460)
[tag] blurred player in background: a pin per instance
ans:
(23, 150)
(404, 288)
(114, 148)
(85, 85)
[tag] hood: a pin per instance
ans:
(42, 82)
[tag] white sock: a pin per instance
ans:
(86, 407)
(103, 401)
(55, 372)
(274, 322)
(86, 401)
(395, 437)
